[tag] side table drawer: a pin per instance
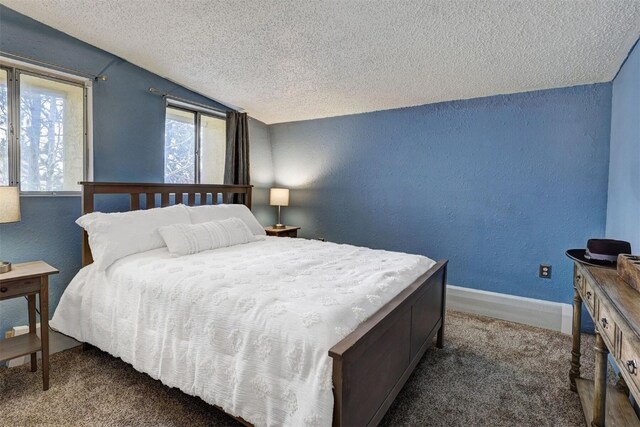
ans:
(19, 287)
(630, 358)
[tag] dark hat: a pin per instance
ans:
(600, 252)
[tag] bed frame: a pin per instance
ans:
(371, 364)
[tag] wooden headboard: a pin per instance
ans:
(183, 193)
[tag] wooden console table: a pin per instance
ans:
(615, 309)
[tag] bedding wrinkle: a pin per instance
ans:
(247, 327)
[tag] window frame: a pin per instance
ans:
(198, 112)
(14, 70)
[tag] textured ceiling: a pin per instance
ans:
(292, 60)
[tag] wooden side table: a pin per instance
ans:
(28, 280)
(287, 231)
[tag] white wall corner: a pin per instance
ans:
(528, 311)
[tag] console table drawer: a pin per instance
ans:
(19, 287)
(578, 280)
(630, 358)
(589, 296)
(606, 325)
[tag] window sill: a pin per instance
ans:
(50, 194)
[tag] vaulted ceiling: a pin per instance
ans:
(292, 60)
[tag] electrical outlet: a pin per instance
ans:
(544, 271)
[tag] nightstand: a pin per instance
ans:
(287, 231)
(27, 280)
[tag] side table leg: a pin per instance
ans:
(31, 303)
(575, 330)
(44, 330)
(600, 383)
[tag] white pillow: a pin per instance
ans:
(185, 239)
(115, 235)
(206, 213)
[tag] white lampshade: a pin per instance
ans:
(9, 204)
(279, 197)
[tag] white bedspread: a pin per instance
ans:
(246, 327)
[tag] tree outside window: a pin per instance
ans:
(47, 152)
(194, 150)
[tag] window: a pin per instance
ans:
(4, 129)
(194, 146)
(42, 131)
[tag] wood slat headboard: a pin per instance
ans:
(183, 193)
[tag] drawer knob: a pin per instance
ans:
(3, 289)
(632, 367)
(605, 322)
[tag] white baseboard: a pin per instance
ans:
(534, 312)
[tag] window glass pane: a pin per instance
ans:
(4, 130)
(51, 135)
(179, 147)
(213, 143)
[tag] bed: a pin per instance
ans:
(278, 305)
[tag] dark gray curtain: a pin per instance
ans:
(236, 167)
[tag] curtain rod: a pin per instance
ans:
(100, 77)
(188, 101)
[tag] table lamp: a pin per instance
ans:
(9, 212)
(279, 197)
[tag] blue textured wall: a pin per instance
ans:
(128, 131)
(623, 210)
(497, 185)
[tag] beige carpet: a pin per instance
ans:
(490, 373)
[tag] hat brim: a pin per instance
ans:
(579, 255)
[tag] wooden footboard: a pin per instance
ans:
(371, 364)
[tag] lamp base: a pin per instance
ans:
(5, 266)
(279, 226)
